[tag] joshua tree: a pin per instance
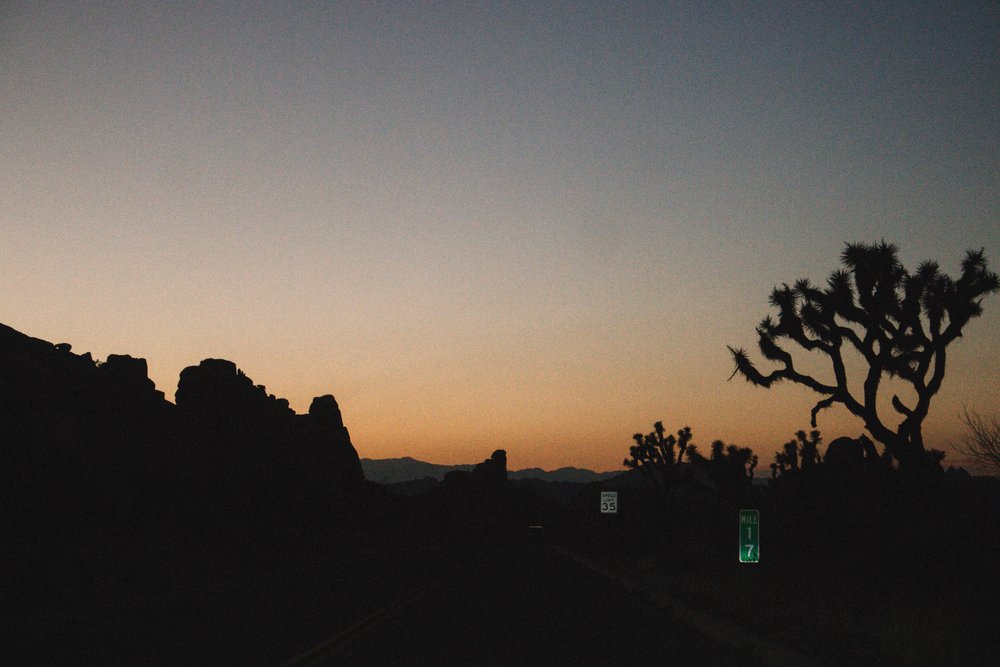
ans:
(694, 456)
(654, 454)
(731, 467)
(809, 448)
(741, 459)
(718, 450)
(900, 323)
(801, 452)
(789, 456)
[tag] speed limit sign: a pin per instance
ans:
(609, 502)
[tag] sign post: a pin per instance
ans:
(609, 502)
(749, 536)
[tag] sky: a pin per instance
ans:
(529, 226)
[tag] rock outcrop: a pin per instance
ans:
(97, 443)
(329, 441)
(217, 393)
(850, 453)
(494, 469)
(126, 379)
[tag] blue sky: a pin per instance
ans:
(523, 225)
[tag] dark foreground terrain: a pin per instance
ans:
(225, 529)
(525, 606)
(420, 585)
(486, 604)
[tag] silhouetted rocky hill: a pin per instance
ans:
(95, 449)
(566, 474)
(407, 469)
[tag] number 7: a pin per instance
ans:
(749, 552)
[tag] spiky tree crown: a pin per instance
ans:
(899, 322)
(656, 451)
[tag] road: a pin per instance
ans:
(522, 605)
(245, 619)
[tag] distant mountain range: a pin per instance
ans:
(405, 469)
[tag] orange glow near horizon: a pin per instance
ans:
(549, 413)
(491, 225)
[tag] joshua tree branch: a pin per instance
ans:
(900, 407)
(923, 402)
(822, 405)
(852, 336)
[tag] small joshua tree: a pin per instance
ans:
(731, 467)
(900, 323)
(809, 448)
(801, 449)
(653, 453)
(741, 459)
(788, 456)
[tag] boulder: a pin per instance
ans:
(494, 469)
(217, 391)
(847, 452)
(329, 440)
(127, 378)
(324, 409)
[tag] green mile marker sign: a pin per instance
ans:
(749, 536)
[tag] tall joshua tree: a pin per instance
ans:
(900, 323)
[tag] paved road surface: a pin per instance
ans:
(524, 606)
(514, 605)
(246, 620)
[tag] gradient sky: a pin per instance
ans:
(530, 226)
